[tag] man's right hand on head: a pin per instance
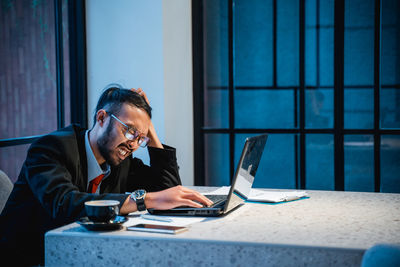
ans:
(152, 134)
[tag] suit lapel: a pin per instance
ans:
(83, 168)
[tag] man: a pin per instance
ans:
(68, 167)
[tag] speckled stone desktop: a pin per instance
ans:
(327, 229)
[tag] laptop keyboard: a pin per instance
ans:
(217, 199)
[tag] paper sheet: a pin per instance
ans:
(264, 196)
(134, 218)
(268, 196)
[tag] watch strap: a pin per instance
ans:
(140, 204)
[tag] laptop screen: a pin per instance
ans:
(246, 170)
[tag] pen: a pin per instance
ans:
(155, 218)
(291, 198)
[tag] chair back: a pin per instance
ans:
(6, 187)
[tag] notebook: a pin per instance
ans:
(240, 188)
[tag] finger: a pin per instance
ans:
(190, 203)
(201, 196)
(139, 91)
(206, 201)
(190, 191)
(142, 93)
(198, 197)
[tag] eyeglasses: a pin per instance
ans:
(132, 134)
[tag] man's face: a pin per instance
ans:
(114, 147)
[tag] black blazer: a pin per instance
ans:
(51, 190)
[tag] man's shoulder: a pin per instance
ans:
(63, 145)
(68, 134)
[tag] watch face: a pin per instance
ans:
(140, 193)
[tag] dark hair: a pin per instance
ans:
(114, 97)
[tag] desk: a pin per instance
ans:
(328, 229)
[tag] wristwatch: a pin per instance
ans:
(138, 196)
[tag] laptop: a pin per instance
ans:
(240, 188)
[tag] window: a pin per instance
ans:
(35, 58)
(320, 76)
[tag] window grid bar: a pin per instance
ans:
(318, 42)
(296, 146)
(231, 52)
(19, 141)
(297, 120)
(377, 81)
(59, 63)
(78, 66)
(198, 95)
(302, 95)
(299, 131)
(339, 94)
(274, 43)
(396, 86)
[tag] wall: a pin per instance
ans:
(128, 42)
(178, 87)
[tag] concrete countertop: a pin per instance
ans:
(328, 221)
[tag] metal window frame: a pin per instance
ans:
(198, 87)
(78, 65)
(377, 81)
(338, 131)
(338, 97)
(231, 60)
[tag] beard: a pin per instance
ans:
(105, 145)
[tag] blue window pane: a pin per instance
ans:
(253, 43)
(216, 108)
(359, 13)
(359, 42)
(311, 13)
(390, 164)
(319, 43)
(319, 108)
(359, 163)
(288, 43)
(390, 74)
(390, 42)
(358, 108)
(311, 55)
(311, 49)
(319, 162)
(277, 166)
(326, 12)
(326, 41)
(216, 43)
(264, 108)
(326, 59)
(390, 55)
(390, 108)
(216, 159)
(359, 57)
